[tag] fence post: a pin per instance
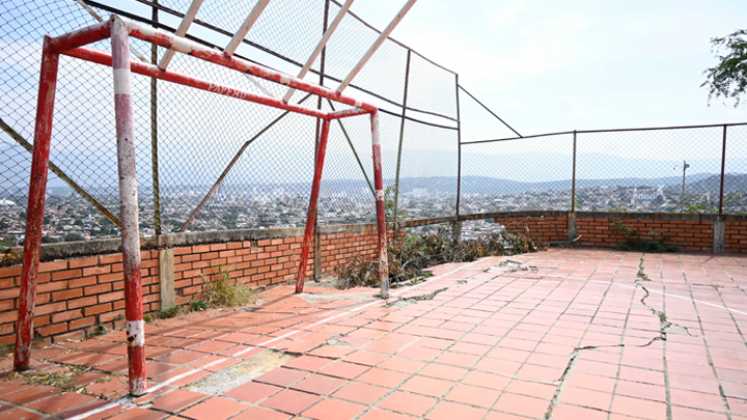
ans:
(573, 182)
(399, 150)
(154, 130)
(457, 228)
(719, 228)
(317, 235)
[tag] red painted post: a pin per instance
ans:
(35, 209)
(380, 212)
(128, 206)
(311, 216)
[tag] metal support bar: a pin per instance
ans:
(57, 171)
(355, 153)
(181, 31)
(573, 177)
(459, 147)
(245, 27)
(399, 149)
(229, 167)
(380, 209)
(311, 216)
(98, 18)
(321, 45)
(490, 111)
(134, 326)
(723, 174)
(35, 209)
(154, 133)
(317, 235)
(380, 40)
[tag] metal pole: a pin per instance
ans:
(380, 210)
(573, 184)
(723, 168)
(245, 27)
(230, 166)
(399, 150)
(459, 146)
(134, 327)
(684, 180)
(181, 31)
(35, 209)
(311, 216)
(317, 235)
(490, 111)
(154, 133)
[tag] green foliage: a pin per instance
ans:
(417, 252)
(223, 293)
(166, 313)
(390, 194)
(95, 332)
(634, 242)
(728, 79)
(73, 237)
(197, 305)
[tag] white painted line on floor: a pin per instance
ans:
(650, 291)
(100, 409)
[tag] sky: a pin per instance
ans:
(547, 66)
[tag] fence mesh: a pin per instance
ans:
(231, 164)
(199, 134)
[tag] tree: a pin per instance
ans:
(728, 79)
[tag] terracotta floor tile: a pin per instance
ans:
(419, 353)
(177, 400)
(281, 377)
(319, 384)
(486, 380)
(699, 400)
(531, 389)
(365, 358)
(290, 401)
(259, 413)
(332, 352)
(345, 370)
(638, 408)
(426, 386)
(639, 390)
(521, 405)
(381, 377)
(681, 413)
(214, 409)
(586, 398)
(139, 414)
(60, 403)
(376, 414)
(598, 383)
(309, 363)
(252, 392)
(450, 411)
(182, 357)
(331, 409)
(403, 402)
(471, 395)
(568, 412)
(400, 364)
(446, 372)
(32, 394)
(504, 367)
(361, 393)
(456, 359)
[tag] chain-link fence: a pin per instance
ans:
(211, 162)
(663, 170)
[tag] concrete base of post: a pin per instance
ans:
(166, 277)
(719, 237)
(456, 232)
(571, 225)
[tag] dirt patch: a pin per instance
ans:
(240, 373)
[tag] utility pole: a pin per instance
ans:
(685, 165)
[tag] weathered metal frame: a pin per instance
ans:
(120, 30)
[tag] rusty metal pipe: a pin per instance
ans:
(35, 209)
(134, 326)
(380, 210)
(311, 216)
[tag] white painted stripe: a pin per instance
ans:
(100, 409)
(122, 84)
(240, 352)
(135, 331)
(379, 195)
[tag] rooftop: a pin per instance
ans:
(561, 334)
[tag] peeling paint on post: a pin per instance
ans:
(311, 216)
(35, 210)
(128, 206)
(380, 211)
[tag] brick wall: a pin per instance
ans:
(543, 228)
(76, 294)
(687, 235)
(735, 237)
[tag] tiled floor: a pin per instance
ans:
(580, 334)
